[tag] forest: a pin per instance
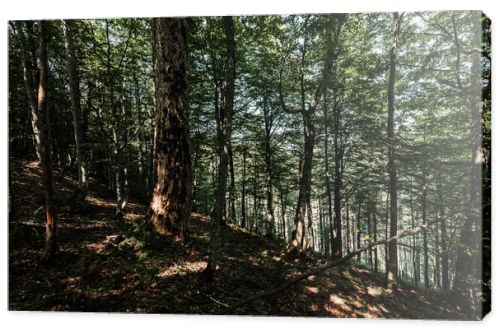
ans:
(309, 165)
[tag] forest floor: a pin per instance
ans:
(108, 265)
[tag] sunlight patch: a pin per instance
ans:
(312, 289)
(182, 269)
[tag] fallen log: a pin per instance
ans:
(319, 270)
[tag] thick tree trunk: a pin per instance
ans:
(170, 207)
(392, 273)
(223, 142)
(74, 85)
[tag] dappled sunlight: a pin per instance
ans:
(108, 265)
(101, 202)
(182, 269)
(374, 291)
(312, 289)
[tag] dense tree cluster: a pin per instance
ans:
(323, 132)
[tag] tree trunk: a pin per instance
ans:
(375, 237)
(243, 189)
(268, 123)
(42, 128)
(298, 242)
(392, 273)
(337, 251)
(223, 142)
(358, 228)
(471, 233)
(143, 171)
(30, 85)
(170, 207)
(424, 223)
(74, 85)
(283, 215)
(444, 239)
(369, 232)
(232, 187)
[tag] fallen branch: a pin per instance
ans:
(321, 269)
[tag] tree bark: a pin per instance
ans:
(170, 207)
(392, 273)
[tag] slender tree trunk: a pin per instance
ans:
(444, 239)
(243, 189)
(437, 256)
(30, 85)
(375, 237)
(321, 229)
(392, 274)
(268, 123)
(358, 228)
(223, 142)
(347, 227)
(170, 207)
(337, 252)
(232, 187)
(42, 126)
(298, 242)
(369, 234)
(143, 171)
(471, 233)
(283, 214)
(424, 223)
(254, 195)
(74, 84)
(414, 251)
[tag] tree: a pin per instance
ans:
(224, 128)
(392, 267)
(41, 128)
(170, 207)
(74, 85)
(299, 242)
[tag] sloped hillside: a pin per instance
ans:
(109, 265)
